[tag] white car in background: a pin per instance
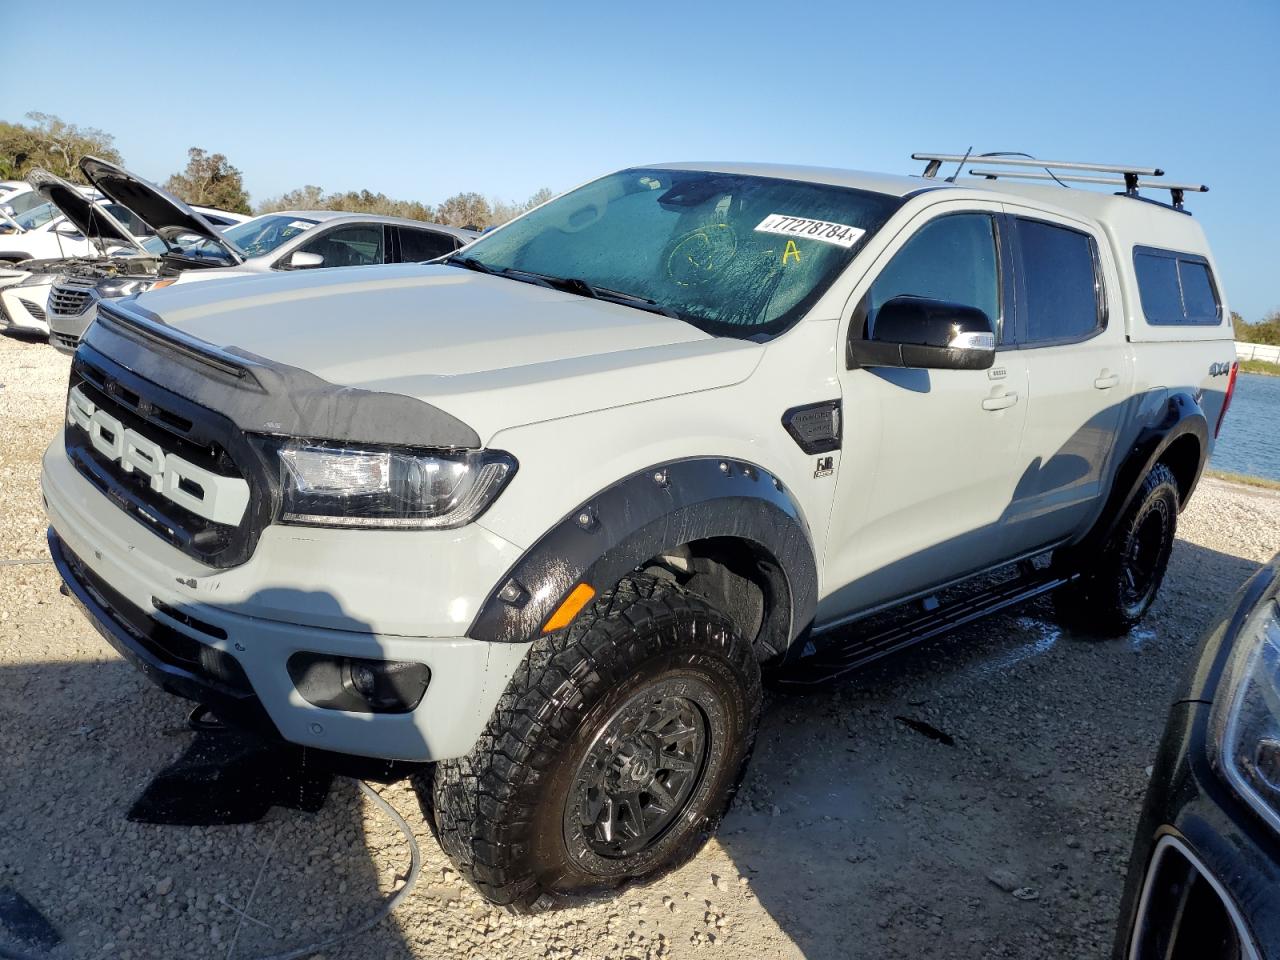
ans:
(42, 232)
(24, 288)
(17, 196)
(192, 249)
(115, 249)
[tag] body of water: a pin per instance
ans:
(1250, 438)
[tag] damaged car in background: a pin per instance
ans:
(187, 247)
(107, 237)
(24, 288)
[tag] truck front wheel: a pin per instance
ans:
(611, 756)
(1118, 586)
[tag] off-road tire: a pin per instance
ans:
(1118, 586)
(505, 813)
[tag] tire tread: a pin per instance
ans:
(483, 802)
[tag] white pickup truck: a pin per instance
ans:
(542, 512)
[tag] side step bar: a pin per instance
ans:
(857, 648)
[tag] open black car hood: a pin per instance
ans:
(91, 219)
(166, 214)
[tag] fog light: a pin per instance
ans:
(359, 685)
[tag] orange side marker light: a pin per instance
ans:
(569, 608)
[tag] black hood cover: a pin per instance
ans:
(163, 212)
(90, 218)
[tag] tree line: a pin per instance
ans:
(210, 180)
(1266, 330)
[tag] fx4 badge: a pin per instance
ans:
(826, 466)
(1219, 369)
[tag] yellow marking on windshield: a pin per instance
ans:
(791, 251)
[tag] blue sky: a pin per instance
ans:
(421, 100)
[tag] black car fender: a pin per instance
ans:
(647, 514)
(1182, 417)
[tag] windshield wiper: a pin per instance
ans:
(574, 285)
(585, 289)
(629, 300)
(468, 263)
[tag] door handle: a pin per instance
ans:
(1107, 380)
(1001, 402)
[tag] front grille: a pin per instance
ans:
(181, 428)
(67, 300)
(32, 308)
(1185, 913)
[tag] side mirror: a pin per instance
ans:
(68, 229)
(929, 334)
(301, 260)
(7, 209)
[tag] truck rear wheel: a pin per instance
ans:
(1118, 586)
(611, 756)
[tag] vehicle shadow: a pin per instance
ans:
(976, 795)
(25, 336)
(85, 739)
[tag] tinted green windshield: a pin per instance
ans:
(735, 255)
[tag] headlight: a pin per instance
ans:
(395, 487)
(127, 286)
(1246, 714)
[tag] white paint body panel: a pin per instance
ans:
(16, 309)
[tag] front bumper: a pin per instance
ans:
(1204, 875)
(1191, 810)
(225, 636)
(166, 657)
(23, 309)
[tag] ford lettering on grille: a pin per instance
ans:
(206, 494)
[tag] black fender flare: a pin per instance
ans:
(656, 510)
(1182, 417)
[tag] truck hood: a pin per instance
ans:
(90, 218)
(168, 216)
(493, 352)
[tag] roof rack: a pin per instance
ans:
(1131, 173)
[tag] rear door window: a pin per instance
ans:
(1176, 288)
(1062, 285)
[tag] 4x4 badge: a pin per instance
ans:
(826, 467)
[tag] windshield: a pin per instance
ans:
(735, 255)
(21, 202)
(183, 242)
(255, 237)
(37, 216)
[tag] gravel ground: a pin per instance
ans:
(854, 837)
